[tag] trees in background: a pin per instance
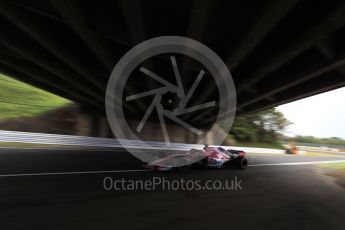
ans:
(316, 140)
(265, 126)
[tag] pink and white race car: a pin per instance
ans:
(209, 157)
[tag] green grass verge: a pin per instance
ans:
(18, 99)
(261, 145)
(19, 145)
(25, 145)
(32, 145)
(334, 166)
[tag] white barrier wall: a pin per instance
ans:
(55, 139)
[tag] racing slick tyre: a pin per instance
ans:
(183, 168)
(241, 163)
(201, 164)
(186, 166)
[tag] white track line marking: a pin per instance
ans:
(72, 173)
(145, 170)
(300, 163)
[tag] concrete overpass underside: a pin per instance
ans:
(277, 51)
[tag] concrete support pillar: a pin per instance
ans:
(103, 127)
(90, 124)
(83, 126)
(94, 127)
(152, 131)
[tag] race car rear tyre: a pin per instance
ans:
(186, 166)
(183, 168)
(241, 163)
(201, 164)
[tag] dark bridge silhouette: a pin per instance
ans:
(277, 51)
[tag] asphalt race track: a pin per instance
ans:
(63, 189)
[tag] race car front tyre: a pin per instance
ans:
(241, 163)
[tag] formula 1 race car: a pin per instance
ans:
(291, 149)
(209, 157)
